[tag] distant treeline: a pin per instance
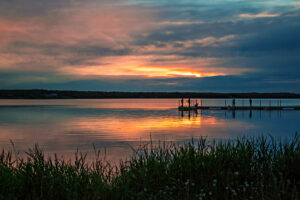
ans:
(61, 94)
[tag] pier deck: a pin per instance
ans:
(184, 108)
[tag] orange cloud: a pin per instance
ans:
(51, 43)
(11, 30)
(146, 66)
(262, 15)
(179, 23)
(51, 38)
(97, 24)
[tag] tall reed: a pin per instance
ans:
(243, 168)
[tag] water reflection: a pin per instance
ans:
(62, 126)
(242, 114)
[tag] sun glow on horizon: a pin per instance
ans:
(167, 71)
(142, 71)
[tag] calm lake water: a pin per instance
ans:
(116, 125)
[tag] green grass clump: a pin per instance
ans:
(244, 168)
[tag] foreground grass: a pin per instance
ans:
(245, 168)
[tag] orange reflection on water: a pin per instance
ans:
(61, 126)
(132, 129)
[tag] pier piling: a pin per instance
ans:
(193, 105)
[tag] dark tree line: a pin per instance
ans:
(61, 94)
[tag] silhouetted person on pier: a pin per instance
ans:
(181, 102)
(250, 102)
(233, 102)
(196, 104)
(189, 102)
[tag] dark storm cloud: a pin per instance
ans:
(251, 83)
(278, 46)
(258, 28)
(38, 8)
(20, 47)
(195, 11)
(79, 54)
(30, 8)
(284, 39)
(15, 79)
(261, 37)
(271, 46)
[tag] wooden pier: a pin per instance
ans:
(193, 105)
(185, 108)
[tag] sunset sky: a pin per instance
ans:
(150, 45)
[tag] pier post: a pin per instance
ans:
(260, 103)
(182, 102)
(189, 102)
(280, 102)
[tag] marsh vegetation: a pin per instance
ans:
(243, 168)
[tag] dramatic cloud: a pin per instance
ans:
(133, 45)
(261, 15)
